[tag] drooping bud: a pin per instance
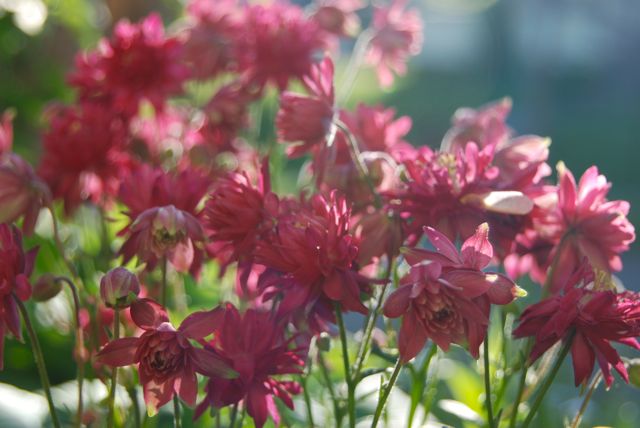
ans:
(119, 288)
(45, 288)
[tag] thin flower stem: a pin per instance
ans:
(387, 391)
(307, 399)
(487, 383)
(176, 412)
(585, 402)
(114, 372)
(354, 66)
(80, 350)
(39, 359)
(332, 393)
(60, 246)
(163, 289)
(133, 394)
(234, 415)
(419, 383)
(351, 399)
(549, 380)
(521, 384)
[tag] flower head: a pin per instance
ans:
(253, 345)
(445, 296)
(15, 268)
(167, 361)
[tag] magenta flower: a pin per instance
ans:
(445, 296)
(253, 345)
(397, 34)
(591, 319)
(15, 268)
(167, 361)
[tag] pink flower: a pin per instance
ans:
(445, 296)
(77, 171)
(252, 343)
(591, 319)
(397, 34)
(15, 268)
(379, 232)
(138, 63)
(163, 232)
(586, 224)
(119, 288)
(22, 192)
(338, 17)
(278, 44)
(308, 120)
(167, 361)
(6, 131)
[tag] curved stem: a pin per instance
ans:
(59, 245)
(354, 65)
(549, 380)
(307, 399)
(176, 412)
(332, 394)
(387, 391)
(521, 384)
(585, 402)
(39, 359)
(351, 399)
(487, 383)
(114, 371)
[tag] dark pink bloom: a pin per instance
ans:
(338, 17)
(163, 232)
(253, 345)
(379, 232)
(22, 192)
(586, 224)
(278, 44)
(15, 268)
(167, 361)
(313, 247)
(138, 63)
(397, 34)
(6, 132)
(445, 296)
(79, 163)
(591, 319)
(119, 288)
(308, 120)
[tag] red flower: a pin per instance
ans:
(22, 192)
(586, 224)
(591, 319)
(397, 34)
(167, 361)
(278, 44)
(15, 269)
(253, 344)
(84, 157)
(445, 296)
(138, 62)
(308, 120)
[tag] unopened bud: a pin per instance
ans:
(45, 288)
(119, 288)
(324, 342)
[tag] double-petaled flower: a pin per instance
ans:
(446, 297)
(167, 360)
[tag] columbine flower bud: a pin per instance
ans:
(45, 288)
(119, 288)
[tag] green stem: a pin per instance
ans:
(39, 359)
(114, 372)
(234, 415)
(585, 402)
(60, 246)
(521, 384)
(419, 383)
(351, 400)
(385, 394)
(487, 383)
(549, 380)
(327, 379)
(354, 65)
(133, 394)
(307, 399)
(163, 289)
(176, 412)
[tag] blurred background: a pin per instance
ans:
(572, 68)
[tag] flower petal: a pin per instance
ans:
(583, 359)
(148, 314)
(209, 364)
(201, 324)
(442, 244)
(119, 352)
(398, 302)
(477, 251)
(412, 337)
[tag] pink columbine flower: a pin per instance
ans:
(22, 192)
(397, 34)
(586, 224)
(138, 63)
(308, 120)
(591, 319)
(253, 345)
(167, 361)
(446, 297)
(15, 268)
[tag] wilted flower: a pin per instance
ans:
(22, 192)
(163, 232)
(15, 269)
(167, 361)
(591, 320)
(397, 34)
(445, 296)
(253, 345)
(119, 288)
